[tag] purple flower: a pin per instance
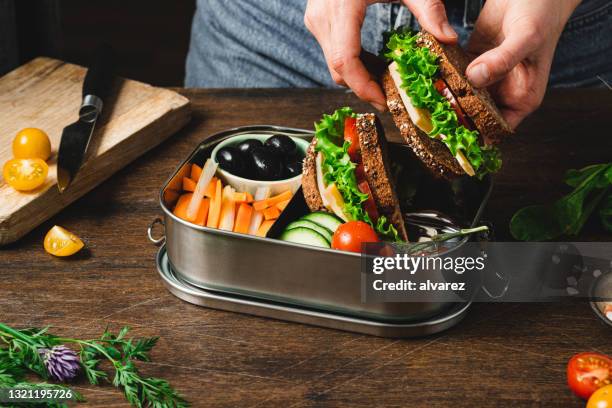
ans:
(62, 363)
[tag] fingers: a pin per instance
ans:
(497, 63)
(431, 15)
(337, 27)
(520, 92)
(345, 50)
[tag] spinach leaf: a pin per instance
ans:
(568, 215)
(605, 211)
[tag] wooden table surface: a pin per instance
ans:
(500, 355)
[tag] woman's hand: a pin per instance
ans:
(514, 42)
(336, 24)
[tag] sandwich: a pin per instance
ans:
(450, 125)
(346, 172)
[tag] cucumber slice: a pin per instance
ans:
(326, 220)
(306, 236)
(313, 226)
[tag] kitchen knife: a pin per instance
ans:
(76, 137)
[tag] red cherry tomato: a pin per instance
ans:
(351, 136)
(350, 236)
(587, 372)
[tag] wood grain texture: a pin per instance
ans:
(46, 93)
(502, 355)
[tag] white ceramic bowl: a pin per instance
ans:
(250, 186)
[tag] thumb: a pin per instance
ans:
(495, 64)
(431, 15)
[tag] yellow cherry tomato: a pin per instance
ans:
(602, 398)
(25, 174)
(61, 242)
(31, 143)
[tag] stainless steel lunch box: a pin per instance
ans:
(273, 270)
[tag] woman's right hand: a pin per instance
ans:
(336, 24)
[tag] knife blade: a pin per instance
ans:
(76, 136)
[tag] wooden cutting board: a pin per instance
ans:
(46, 93)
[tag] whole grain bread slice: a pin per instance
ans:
(309, 179)
(433, 153)
(476, 103)
(378, 173)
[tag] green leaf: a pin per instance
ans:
(568, 215)
(605, 212)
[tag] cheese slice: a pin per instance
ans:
(330, 195)
(419, 116)
(463, 161)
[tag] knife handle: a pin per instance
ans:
(99, 77)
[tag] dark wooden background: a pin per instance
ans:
(151, 38)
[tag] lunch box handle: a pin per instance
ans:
(483, 239)
(156, 241)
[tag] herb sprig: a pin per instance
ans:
(592, 192)
(22, 353)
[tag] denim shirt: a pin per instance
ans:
(264, 43)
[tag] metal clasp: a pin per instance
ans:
(156, 241)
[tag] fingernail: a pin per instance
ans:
(448, 30)
(479, 75)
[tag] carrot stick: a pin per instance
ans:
(215, 207)
(263, 204)
(271, 213)
(180, 209)
(240, 197)
(283, 204)
(243, 218)
(264, 228)
(203, 212)
(211, 188)
(196, 171)
(188, 184)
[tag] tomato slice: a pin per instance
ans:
(25, 174)
(360, 173)
(61, 242)
(587, 372)
(370, 204)
(443, 89)
(351, 136)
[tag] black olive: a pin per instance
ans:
(281, 145)
(230, 159)
(293, 169)
(267, 165)
(246, 147)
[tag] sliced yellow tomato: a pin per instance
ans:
(25, 174)
(61, 242)
(31, 143)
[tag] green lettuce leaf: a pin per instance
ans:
(418, 69)
(338, 168)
